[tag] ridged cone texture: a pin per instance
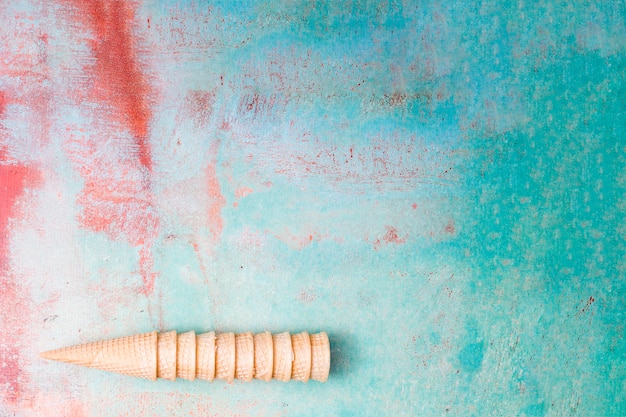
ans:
(166, 364)
(244, 362)
(205, 359)
(263, 356)
(283, 356)
(186, 356)
(225, 356)
(301, 367)
(207, 356)
(320, 357)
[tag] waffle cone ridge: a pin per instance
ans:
(225, 356)
(320, 357)
(244, 362)
(263, 356)
(186, 356)
(301, 368)
(283, 356)
(166, 367)
(205, 356)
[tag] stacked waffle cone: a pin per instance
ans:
(207, 356)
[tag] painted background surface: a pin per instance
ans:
(440, 186)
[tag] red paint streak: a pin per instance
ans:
(118, 80)
(414, 206)
(14, 179)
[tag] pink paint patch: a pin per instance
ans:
(242, 192)
(14, 179)
(214, 215)
(199, 107)
(3, 103)
(146, 264)
(307, 296)
(11, 374)
(302, 240)
(116, 198)
(392, 236)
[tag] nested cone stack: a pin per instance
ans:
(166, 347)
(205, 351)
(320, 357)
(186, 356)
(132, 355)
(263, 356)
(225, 356)
(283, 356)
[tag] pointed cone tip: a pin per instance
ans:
(49, 355)
(44, 355)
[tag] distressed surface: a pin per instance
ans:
(441, 187)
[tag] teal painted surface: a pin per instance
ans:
(441, 187)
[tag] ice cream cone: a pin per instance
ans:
(166, 345)
(133, 355)
(225, 356)
(205, 359)
(186, 356)
(283, 356)
(263, 356)
(206, 356)
(301, 368)
(320, 357)
(244, 362)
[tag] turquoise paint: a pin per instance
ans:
(439, 186)
(471, 357)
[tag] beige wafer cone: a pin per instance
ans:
(320, 357)
(263, 356)
(205, 359)
(225, 356)
(206, 356)
(301, 368)
(244, 362)
(283, 356)
(133, 355)
(166, 345)
(186, 356)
